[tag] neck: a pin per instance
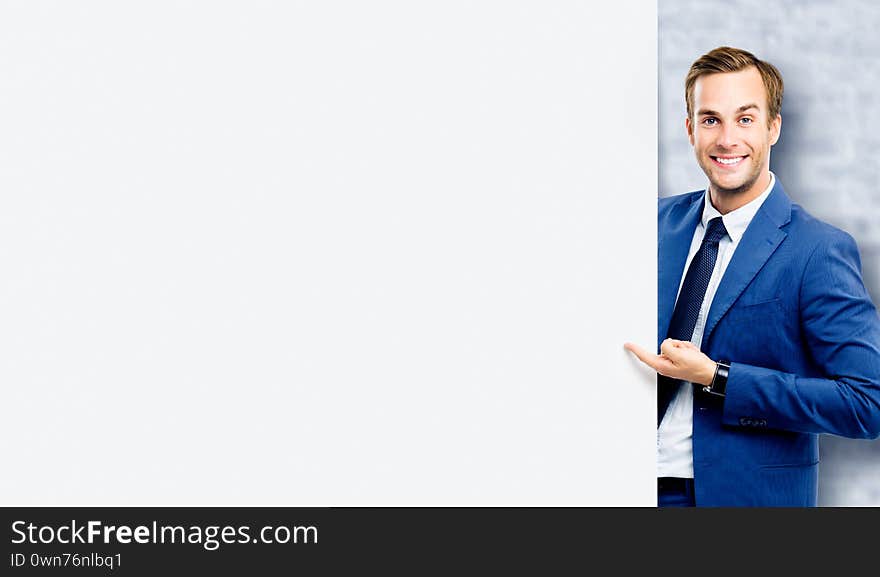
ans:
(728, 201)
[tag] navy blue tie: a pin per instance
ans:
(690, 300)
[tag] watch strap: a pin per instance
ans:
(718, 386)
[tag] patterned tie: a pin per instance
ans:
(690, 300)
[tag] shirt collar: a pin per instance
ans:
(736, 221)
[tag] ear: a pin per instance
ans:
(690, 130)
(775, 129)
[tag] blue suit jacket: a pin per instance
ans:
(792, 315)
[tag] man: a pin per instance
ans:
(766, 333)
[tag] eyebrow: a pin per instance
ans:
(743, 108)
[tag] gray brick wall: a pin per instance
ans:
(828, 157)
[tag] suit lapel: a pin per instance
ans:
(675, 237)
(760, 240)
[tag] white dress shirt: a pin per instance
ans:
(675, 455)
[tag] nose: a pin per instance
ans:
(727, 137)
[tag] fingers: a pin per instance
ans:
(671, 344)
(668, 346)
(638, 351)
(643, 355)
(671, 361)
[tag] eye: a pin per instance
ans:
(710, 121)
(745, 120)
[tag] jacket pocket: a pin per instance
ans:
(756, 312)
(790, 485)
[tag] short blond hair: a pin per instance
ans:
(727, 59)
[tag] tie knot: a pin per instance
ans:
(715, 231)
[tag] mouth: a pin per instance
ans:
(728, 161)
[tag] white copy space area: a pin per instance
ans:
(327, 253)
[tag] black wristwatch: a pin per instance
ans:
(718, 386)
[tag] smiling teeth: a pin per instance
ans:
(729, 160)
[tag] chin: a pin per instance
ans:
(733, 186)
(731, 189)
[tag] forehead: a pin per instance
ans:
(728, 91)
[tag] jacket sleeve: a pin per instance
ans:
(841, 331)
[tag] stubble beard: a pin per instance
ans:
(733, 192)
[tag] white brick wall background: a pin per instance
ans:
(828, 157)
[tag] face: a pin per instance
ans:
(730, 132)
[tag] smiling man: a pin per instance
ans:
(766, 334)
